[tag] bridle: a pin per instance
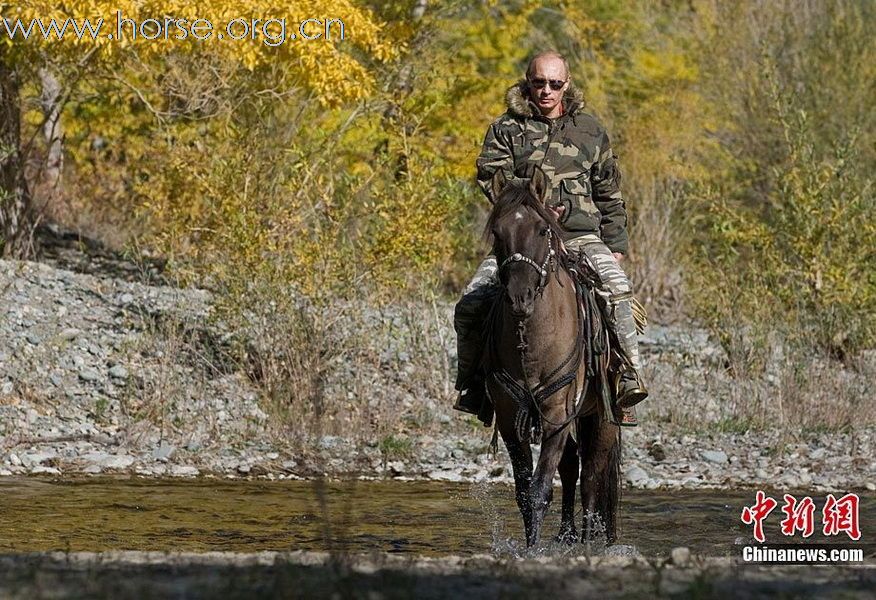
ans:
(529, 400)
(544, 269)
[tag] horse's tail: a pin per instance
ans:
(606, 473)
(609, 500)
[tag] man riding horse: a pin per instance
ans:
(545, 127)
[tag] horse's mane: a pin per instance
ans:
(515, 195)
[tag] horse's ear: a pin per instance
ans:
(498, 183)
(538, 185)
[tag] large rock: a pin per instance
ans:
(118, 372)
(41, 470)
(184, 471)
(164, 451)
(69, 334)
(680, 556)
(33, 459)
(445, 475)
(89, 375)
(109, 461)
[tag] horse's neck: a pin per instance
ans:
(553, 317)
(556, 308)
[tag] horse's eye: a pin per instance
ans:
(544, 231)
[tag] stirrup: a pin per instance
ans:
(631, 397)
(629, 392)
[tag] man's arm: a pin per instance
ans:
(605, 176)
(495, 154)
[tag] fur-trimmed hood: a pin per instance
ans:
(519, 104)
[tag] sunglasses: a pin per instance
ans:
(556, 84)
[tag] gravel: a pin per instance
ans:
(88, 384)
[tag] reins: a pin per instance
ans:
(525, 396)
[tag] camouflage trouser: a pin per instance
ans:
(614, 287)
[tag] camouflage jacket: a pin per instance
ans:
(575, 153)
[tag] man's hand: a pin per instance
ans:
(558, 210)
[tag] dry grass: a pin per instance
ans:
(357, 369)
(175, 364)
(795, 392)
(659, 224)
(383, 374)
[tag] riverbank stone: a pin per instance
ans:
(109, 461)
(680, 556)
(714, 456)
(635, 475)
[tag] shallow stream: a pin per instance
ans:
(425, 518)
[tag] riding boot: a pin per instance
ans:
(471, 396)
(468, 321)
(628, 383)
(630, 389)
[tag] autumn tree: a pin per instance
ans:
(14, 195)
(333, 69)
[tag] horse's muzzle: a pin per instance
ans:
(522, 304)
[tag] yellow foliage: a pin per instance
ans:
(330, 165)
(328, 67)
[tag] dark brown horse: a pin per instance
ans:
(536, 361)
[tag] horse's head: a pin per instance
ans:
(525, 239)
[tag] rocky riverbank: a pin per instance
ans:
(102, 375)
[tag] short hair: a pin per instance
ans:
(545, 54)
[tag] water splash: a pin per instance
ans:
(492, 501)
(487, 497)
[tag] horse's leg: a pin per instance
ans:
(569, 477)
(521, 463)
(552, 445)
(600, 477)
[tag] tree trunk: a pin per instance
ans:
(15, 205)
(52, 129)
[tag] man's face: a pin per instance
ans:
(544, 71)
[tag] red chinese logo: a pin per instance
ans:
(842, 516)
(754, 515)
(838, 516)
(798, 516)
